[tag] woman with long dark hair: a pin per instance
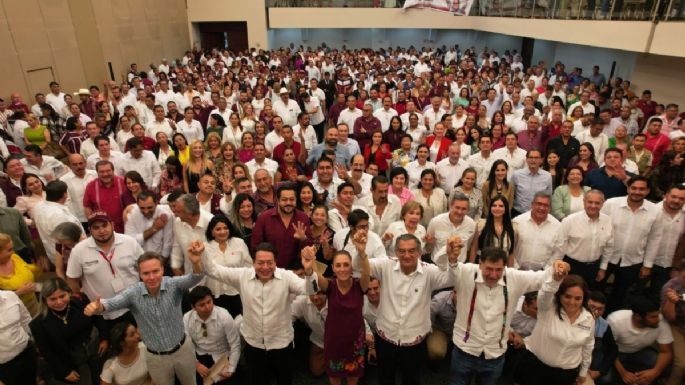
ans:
(244, 216)
(496, 230)
(564, 324)
(126, 364)
(70, 342)
(172, 176)
(497, 184)
(551, 165)
(225, 247)
(585, 158)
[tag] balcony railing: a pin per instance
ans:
(662, 10)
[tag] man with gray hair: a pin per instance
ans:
(190, 225)
(66, 236)
(537, 231)
(453, 222)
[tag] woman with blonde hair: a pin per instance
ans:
(213, 146)
(36, 133)
(409, 223)
(18, 276)
(223, 166)
(196, 166)
(248, 118)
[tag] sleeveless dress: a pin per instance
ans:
(344, 331)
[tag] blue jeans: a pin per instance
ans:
(464, 367)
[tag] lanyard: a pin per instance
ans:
(108, 259)
(472, 307)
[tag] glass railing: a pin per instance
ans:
(662, 10)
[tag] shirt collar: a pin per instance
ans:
(419, 268)
(624, 203)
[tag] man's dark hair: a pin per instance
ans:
(637, 178)
(493, 254)
(147, 256)
(174, 195)
(378, 179)
(144, 195)
(598, 296)
(267, 247)
(198, 294)
(286, 187)
(641, 306)
(34, 148)
(55, 190)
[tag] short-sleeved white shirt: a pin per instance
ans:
(629, 339)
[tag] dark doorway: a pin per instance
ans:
(231, 35)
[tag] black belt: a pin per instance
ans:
(172, 351)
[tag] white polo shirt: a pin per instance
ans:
(95, 272)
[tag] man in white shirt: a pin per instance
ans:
(46, 167)
(492, 103)
(18, 356)
(76, 181)
(260, 161)
(222, 109)
(152, 225)
(584, 103)
(314, 108)
(486, 302)
(265, 293)
(385, 113)
(633, 333)
(537, 232)
(624, 120)
(88, 147)
(190, 225)
(434, 113)
(511, 153)
(160, 124)
(450, 169)
(50, 213)
(671, 220)
(411, 109)
(142, 161)
(164, 95)
(104, 264)
(214, 334)
(274, 138)
(483, 160)
(304, 133)
(312, 310)
(453, 222)
(105, 152)
(286, 108)
(404, 325)
(584, 237)
(351, 113)
(595, 136)
(637, 235)
(382, 208)
(55, 97)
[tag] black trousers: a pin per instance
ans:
(319, 128)
(586, 270)
(407, 358)
(263, 364)
(532, 371)
(20, 370)
(231, 303)
(660, 275)
(624, 278)
(208, 361)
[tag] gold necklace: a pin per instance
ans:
(64, 317)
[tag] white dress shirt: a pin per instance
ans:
(183, 236)
(155, 126)
(599, 142)
(584, 239)
(637, 234)
(116, 157)
(161, 241)
(414, 170)
(310, 139)
(336, 221)
(218, 337)
(535, 244)
(558, 342)
(303, 309)
(235, 255)
(14, 326)
(403, 316)
(269, 165)
(267, 316)
(433, 117)
(449, 173)
(76, 188)
(374, 248)
(49, 170)
(390, 214)
(272, 140)
(370, 314)
(88, 147)
(384, 116)
(441, 227)
(191, 131)
(630, 339)
(287, 112)
(486, 335)
(398, 228)
(672, 229)
(97, 280)
(482, 166)
(515, 160)
(146, 165)
(47, 216)
(348, 117)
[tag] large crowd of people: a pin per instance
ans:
(408, 206)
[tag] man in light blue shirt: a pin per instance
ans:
(528, 181)
(342, 155)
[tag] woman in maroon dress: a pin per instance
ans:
(344, 328)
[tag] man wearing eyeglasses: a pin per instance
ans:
(214, 335)
(528, 181)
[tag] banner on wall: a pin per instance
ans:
(457, 7)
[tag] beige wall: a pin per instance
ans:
(251, 11)
(663, 76)
(71, 41)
